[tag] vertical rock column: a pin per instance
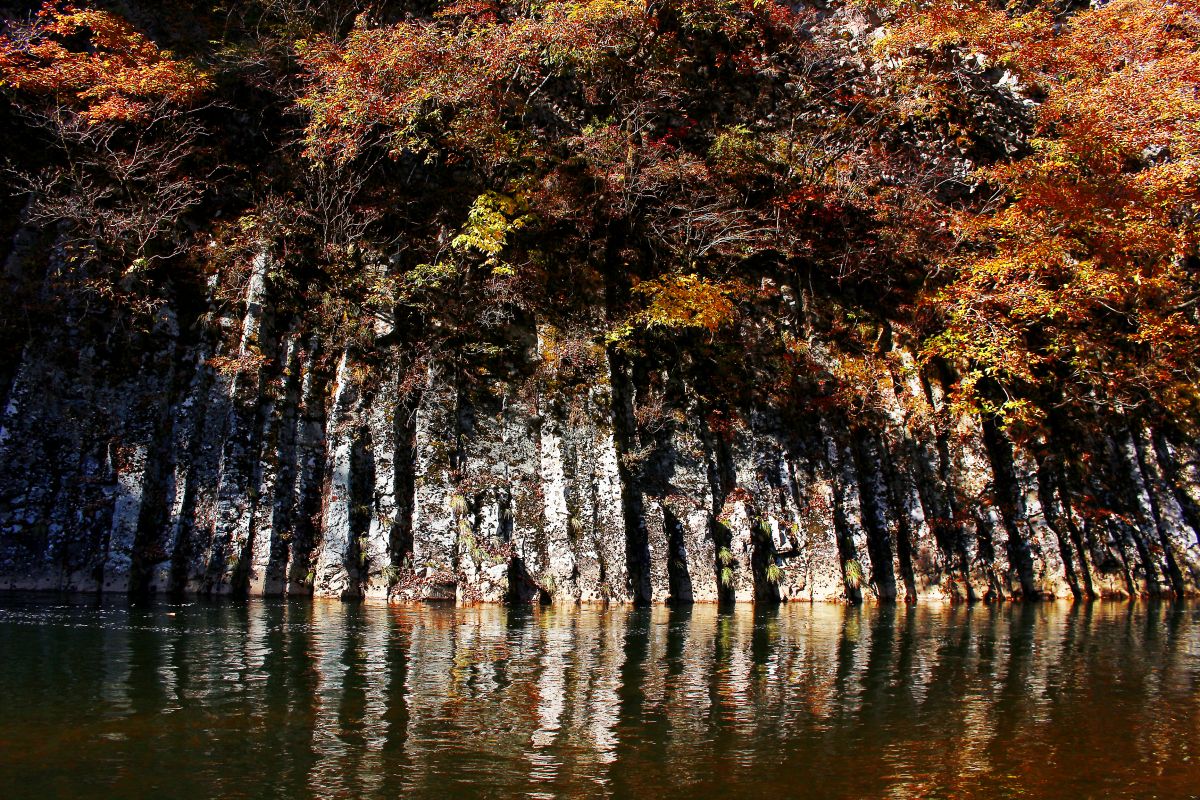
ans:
(229, 558)
(681, 513)
(276, 467)
(128, 464)
(306, 483)
(1172, 519)
(335, 575)
(847, 515)
(597, 501)
(433, 526)
(817, 535)
(381, 422)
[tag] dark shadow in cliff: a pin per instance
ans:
(149, 548)
(362, 507)
(949, 524)
(282, 494)
(1053, 496)
(194, 418)
(848, 555)
(763, 564)
(722, 479)
(1000, 456)
(898, 494)
(309, 480)
(522, 587)
(1166, 523)
(875, 512)
(637, 546)
(1125, 471)
(405, 433)
(679, 581)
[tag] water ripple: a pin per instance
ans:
(316, 700)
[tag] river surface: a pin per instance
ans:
(322, 699)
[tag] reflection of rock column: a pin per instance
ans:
(852, 648)
(254, 642)
(689, 702)
(327, 777)
(114, 667)
(814, 674)
(976, 708)
(429, 687)
(376, 684)
(394, 728)
(728, 689)
(603, 698)
(557, 642)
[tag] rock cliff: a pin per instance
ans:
(600, 302)
(238, 454)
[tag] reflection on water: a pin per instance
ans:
(297, 700)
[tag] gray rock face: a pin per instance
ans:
(252, 457)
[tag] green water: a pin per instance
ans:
(305, 700)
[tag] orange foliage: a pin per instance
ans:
(1086, 271)
(456, 82)
(688, 301)
(95, 61)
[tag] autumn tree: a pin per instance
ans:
(112, 110)
(1076, 284)
(670, 144)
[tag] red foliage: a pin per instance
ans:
(96, 62)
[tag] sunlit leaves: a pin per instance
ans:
(688, 301)
(462, 83)
(96, 62)
(492, 219)
(1077, 284)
